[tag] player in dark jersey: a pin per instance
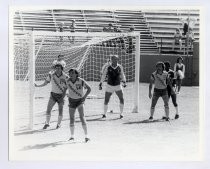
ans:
(115, 75)
(179, 69)
(171, 85)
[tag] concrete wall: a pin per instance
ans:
(148, 62)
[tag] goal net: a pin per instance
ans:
(34, 53)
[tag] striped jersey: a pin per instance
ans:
(160, 79)
(76, 89)
(58, 82)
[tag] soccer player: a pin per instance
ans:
(177, 39)
(58, 80)
(115, 75)
(158, 79)
(61, 29)
(179, 69)
(76, 97)
(171, 84)
(72, 28)
(60, 60)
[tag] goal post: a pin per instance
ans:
(137, 75)
(34, 52)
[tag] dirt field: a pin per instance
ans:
(132, 138)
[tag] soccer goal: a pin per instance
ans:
(34, 53)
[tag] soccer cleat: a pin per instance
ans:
(176, 116)
(167, 119)
(150, 118)
(163, 118)
(71, 139)
(103, 116)
(58, 126)
(121, 116)
(46, 126)
(87, 139)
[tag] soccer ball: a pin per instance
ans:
(180, 74)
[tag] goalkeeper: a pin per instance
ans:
(115, 75)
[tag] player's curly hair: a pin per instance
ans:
(167, 64)
(58, 64)
(75, 71)
(160, 63)
(177, 61)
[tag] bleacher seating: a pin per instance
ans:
(157, 27)
(163, 24)
(86, 20)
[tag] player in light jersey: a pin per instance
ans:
(76, 96)
(115, 75)
(179, 69)
(158, 78)
(60, 60)
(58, 80)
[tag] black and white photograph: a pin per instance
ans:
(105, 84)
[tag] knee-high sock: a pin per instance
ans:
(105, 108)
(48, 119)
(60, 119)
(152, 110)
(167, 111)
(84, 126)
(177, 112)
(121, 108)
(72, 130)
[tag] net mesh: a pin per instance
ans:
(86, 53)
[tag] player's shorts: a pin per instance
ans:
(160, 92)
(56, 97)
(74, 103)
(112, 89)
